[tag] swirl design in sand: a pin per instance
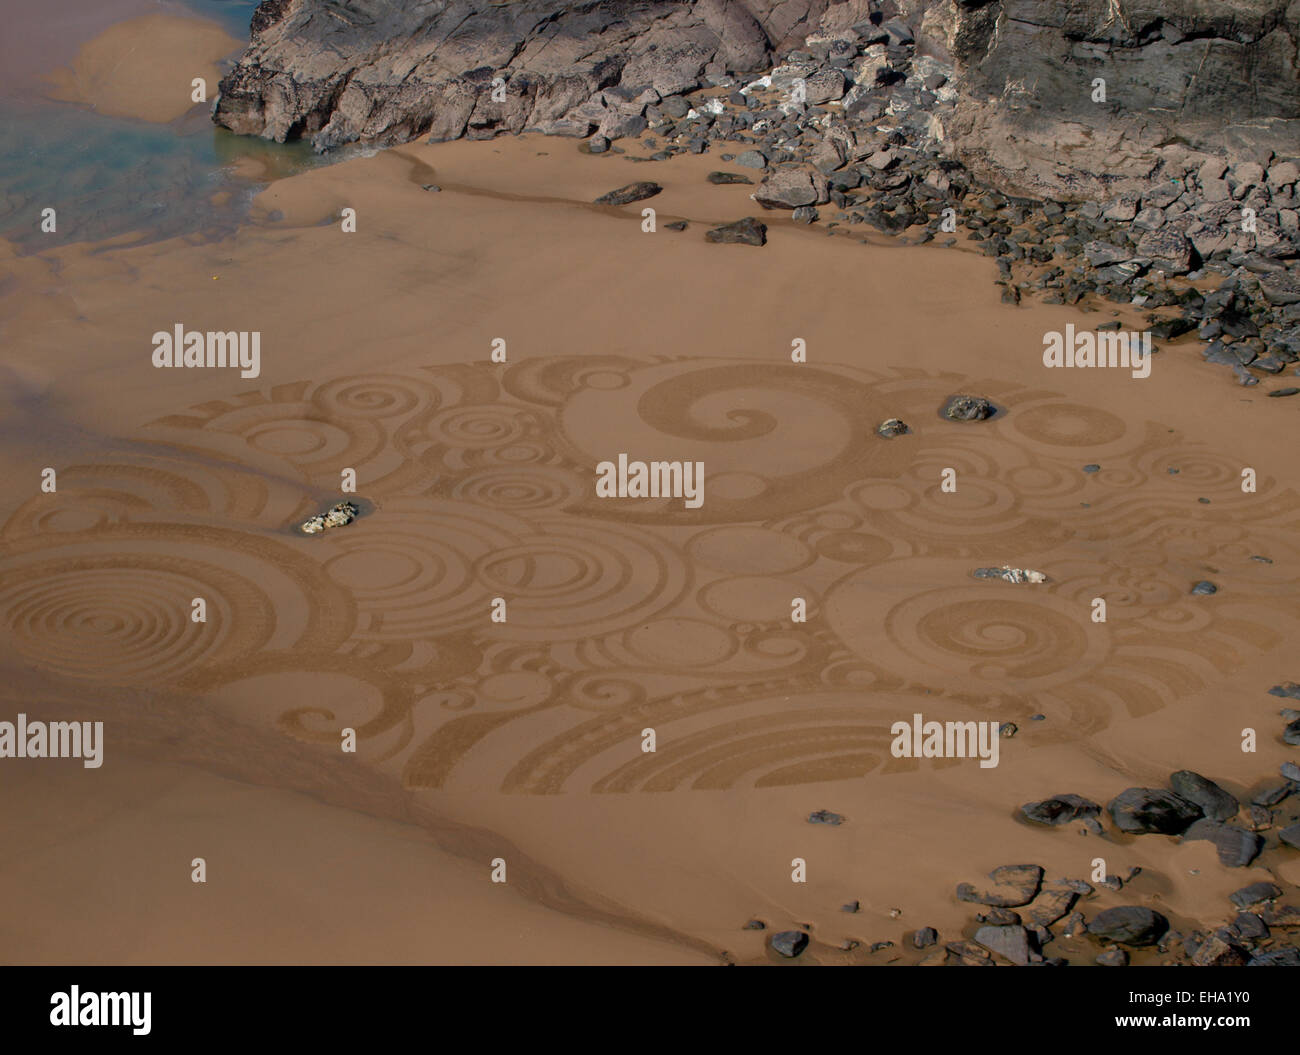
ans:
(631, 615)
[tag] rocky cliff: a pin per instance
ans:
(1063, 99)
(391, 70)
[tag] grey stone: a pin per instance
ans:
(1011, 942)
(1129, 925)
(1142, 810)
(742, 232)
(789, 943)
(790, 188)
(631, 193)
(1060, 809)
(825, 817)
(1215, 803)
(1013, 885)
(1168, 249)
(1236, 846)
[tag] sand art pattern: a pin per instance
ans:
(632, 614)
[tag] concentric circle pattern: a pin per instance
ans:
(490, 613)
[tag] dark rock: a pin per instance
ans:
(1100, 254)
(852, 906)
(1291, 835)
(789, 943)
(892, 427)
(1113, 957)
(1249, 926)
(743, 232)
(1272, 796)
(632, 192)
(1282, 916)
(1218, 951)
(1285, 957)
(1142, 810)
(999, 917)
(1011, 942)
(1254, 894)
(970, 954)
(925, 937)
(752, 159)
(1236, 846)
(1060, 809)
(1013, 885)
(1051, 905)
(1215, 803)
(1129, 925)
(1204, 588)
(825, 817)
(727, 177)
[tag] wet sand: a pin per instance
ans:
(622, 615)
(144, 67)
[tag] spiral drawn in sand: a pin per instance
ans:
(985, 510)
(522, 489)
(572, 579)
(775, 439)
(1062, 428)
(551, 381)
(125, 619)
(412, 572)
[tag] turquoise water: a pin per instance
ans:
(107, 176)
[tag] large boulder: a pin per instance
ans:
(1129, 925)
(1012, 885)
(791, 188)
(1142, 810)
(1215, 803)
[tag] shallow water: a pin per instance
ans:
(110, 176)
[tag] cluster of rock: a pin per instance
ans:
(1265, 931)
(1261, 933)
(901, 114)
(338, 515)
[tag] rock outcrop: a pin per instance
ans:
(387, 71)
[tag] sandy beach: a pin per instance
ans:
(521, 740)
